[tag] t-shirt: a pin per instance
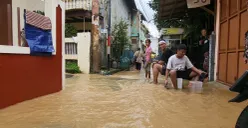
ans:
(179, 64)
(137, 53)
(166, 55)
(148, 54)
(139, 56)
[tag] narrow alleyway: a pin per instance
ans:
(124, 100)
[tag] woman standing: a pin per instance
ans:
(204, 46)
(138, 59)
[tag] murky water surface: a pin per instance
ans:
(124, 100)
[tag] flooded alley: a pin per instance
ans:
(124, 100)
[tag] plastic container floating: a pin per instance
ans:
(195, 86)
(179, 83)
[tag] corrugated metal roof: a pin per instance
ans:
(172, 8)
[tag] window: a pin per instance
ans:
(12, 23)
(134, 41)
(6, 22)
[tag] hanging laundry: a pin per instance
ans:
(38, 33)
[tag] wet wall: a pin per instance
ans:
(24, 77)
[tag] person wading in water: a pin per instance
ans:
(138, 59)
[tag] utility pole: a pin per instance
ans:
(96, 55)
(109, 33)
(139, 30)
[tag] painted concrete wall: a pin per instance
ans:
(135, 24)
(84, 40)
(121, 11)
(138, 30)
(143, 34)
(154, 45)
(24, 77)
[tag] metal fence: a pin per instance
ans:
(71, 48)
(78, 4)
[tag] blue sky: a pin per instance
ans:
(143, 6)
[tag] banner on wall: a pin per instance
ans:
(197, 3)
(171, 31)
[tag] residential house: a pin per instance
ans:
(228, 39)
(139, 30)
(144, 34)
(127, 11)
(24, 77)
(79, 14)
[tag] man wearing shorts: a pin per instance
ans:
(160, 65)
(179, 66)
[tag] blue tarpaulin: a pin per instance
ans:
(39, 40)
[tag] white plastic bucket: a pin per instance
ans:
(179, 83)
(195, 86)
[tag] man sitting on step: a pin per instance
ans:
(179, 66)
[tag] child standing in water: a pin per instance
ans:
(148, 53)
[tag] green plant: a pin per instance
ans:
(121, 39)
(72, 67)
(70, 30)
(40, 12)
(193, 19)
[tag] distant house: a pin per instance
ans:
(77, 48)
(79, 14)
(139, 30)
(24, 77)
(127, 11)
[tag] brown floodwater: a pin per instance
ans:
(124, 100)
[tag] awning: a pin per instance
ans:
(175, 9)
(78, 15)
(172, 9)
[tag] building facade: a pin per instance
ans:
(24, 77)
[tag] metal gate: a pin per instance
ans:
(233, 25)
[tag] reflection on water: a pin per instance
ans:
(124, 100)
